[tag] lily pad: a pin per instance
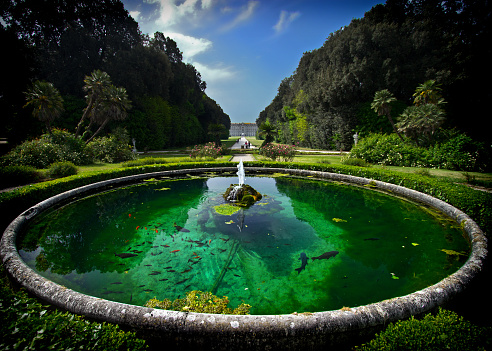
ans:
(226, 209)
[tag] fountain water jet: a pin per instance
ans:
(241, 194)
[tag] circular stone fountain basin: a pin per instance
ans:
(269, 326)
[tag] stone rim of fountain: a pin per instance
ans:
(236, 327)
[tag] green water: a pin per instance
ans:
(386, 247)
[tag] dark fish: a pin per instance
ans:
(148, 290)
(326, 255)
(222, 250)
(186, 270)
(172, 270)
(304, 260)
(187, 286)
(117, 283)
(236, 275)
(226, 240)
(147, 265)
(180, 229)
(181, 282)
(371, 239)
(125, 255)
(168, 267)
(161, 280)
(165, 245)
(155, 273)
(155, 254)
(141, 286)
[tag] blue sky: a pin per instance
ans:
(243, 49)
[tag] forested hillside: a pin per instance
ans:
(63, 41)
(396, 46)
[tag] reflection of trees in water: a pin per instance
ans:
(84, 236)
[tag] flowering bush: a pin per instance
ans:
(283, 152)
(208, 150)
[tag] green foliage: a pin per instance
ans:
(61, 169)
(208, 150)
(201, 302)
(111, 149)
(25, 324)
(278, 151)
(18, 175)
(459, 153)
(354, 162)
(444, 331)
(58, 146)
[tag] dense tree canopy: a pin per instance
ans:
(396, 46)
(64, 41)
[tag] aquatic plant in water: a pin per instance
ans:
(199, 301)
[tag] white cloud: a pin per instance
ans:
(190, 46)
(246, 12)
(135, 15)
(169, 13)
(214, 74)
(285, 20)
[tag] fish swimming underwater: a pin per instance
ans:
(125, 255)
(180, 229)
(304, 261)
(326, 255)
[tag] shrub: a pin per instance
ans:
(49, 148)
(444, 331)
(355, 162)
(198, 301)
(61, 169)
(282, 152)
(458, 153)
(18, 175)
(110, 149)
(208, 150)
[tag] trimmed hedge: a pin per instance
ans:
(18, 175)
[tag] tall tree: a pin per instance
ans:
(46, 101)
(382, 105)
(95, 85)
(113, 106)
(267, 131)
(428, 93)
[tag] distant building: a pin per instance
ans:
(246, 129)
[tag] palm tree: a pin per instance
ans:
(421, 122)
(382, 105)
(112, 107)
(95, 85)
(428, 93)
(47, 102)
(267, 131)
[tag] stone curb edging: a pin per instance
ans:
(257, 330)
